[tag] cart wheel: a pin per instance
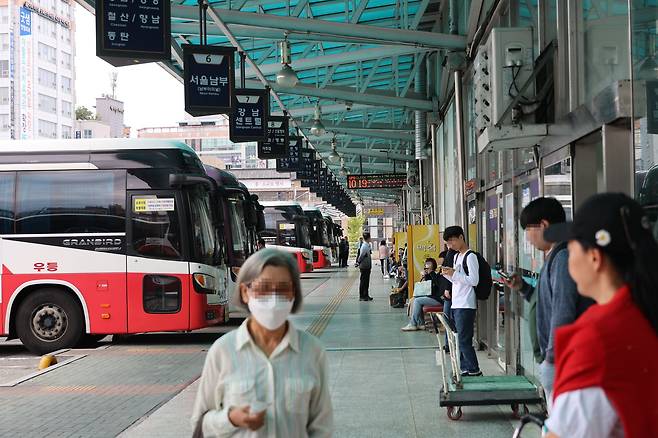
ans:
(516, 411)
(454, 412)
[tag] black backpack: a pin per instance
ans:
(483, 289)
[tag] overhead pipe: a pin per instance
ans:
(368, 33)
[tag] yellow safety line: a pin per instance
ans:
(321, 322)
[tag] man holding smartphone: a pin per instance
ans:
(556, 296)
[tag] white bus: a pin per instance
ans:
(105, 237)
(287, 228)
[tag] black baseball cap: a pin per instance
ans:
(612, 222)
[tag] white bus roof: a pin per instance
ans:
(312, 209)
(89, 145)
(279, 204)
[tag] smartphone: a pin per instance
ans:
(505, 275)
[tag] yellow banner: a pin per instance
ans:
(400, 240)
(425, 242)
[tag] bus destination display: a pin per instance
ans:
(377, 181)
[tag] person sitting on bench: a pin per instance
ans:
(417, 320)
(401, 290)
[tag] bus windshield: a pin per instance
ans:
(285, 226)
(203, 236)
(237, 220)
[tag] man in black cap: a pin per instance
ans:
(556, 296)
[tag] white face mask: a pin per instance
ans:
(270, 312)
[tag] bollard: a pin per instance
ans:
(46, 361)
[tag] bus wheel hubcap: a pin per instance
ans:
(49, 322)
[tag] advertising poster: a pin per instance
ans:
(424, 242)
(400, 240)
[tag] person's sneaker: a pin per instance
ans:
(471, 373)
(363, 299)
(410, 328)
(370, 298)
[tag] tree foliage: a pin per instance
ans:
(355, 230)
(84, 113)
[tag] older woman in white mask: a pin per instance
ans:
(267, 378)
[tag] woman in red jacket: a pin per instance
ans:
(606, 382)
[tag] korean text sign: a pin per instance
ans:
(130, 31)
(209, 79)
(292, 162)
(276, 145)
(248, 122)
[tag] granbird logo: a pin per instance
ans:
(93, 242)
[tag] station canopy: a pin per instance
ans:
(359, 61)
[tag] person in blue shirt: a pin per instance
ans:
(556, 295)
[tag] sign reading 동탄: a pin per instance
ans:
(248, 122)
(377, 181)
(209, 79)
(133, 31)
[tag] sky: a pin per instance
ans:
(151, 96)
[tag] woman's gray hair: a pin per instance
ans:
(254, 265)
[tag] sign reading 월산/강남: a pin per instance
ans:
(292, 162)
(276, 145)
(377, 181)
(209, 79)
(133, 31)
(248, 122)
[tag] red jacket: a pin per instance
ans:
(614, 347)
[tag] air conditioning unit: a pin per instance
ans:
(502, 65)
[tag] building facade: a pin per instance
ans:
(37, 76)
(210, 137)
(571, 111)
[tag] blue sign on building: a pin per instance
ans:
(25, 21)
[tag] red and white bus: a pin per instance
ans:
(105, 237)
(319, 238)
(287, 228)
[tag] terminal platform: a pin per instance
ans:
(384, 382)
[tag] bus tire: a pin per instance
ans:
(48, 320)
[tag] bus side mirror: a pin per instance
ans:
(178, 180)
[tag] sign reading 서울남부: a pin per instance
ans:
(209, 79)
(377, 181)
(248, 122)
(276, 145)
(133, 31)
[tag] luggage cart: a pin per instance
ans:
(459, 391)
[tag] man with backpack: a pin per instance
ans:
(465, 276)
(556, 299)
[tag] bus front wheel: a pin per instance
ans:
(48, 320)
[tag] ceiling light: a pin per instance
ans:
(334, 157)
(286, 77)
(317, 128)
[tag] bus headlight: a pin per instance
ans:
(204, 283)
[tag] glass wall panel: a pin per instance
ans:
(602, 39)
(645, 74)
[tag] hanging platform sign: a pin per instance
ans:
(377, 181)
(209, 79)
(292, 162)
(276, 145)
(248, 122)
(130, 32)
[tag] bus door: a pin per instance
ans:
(158, 274)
